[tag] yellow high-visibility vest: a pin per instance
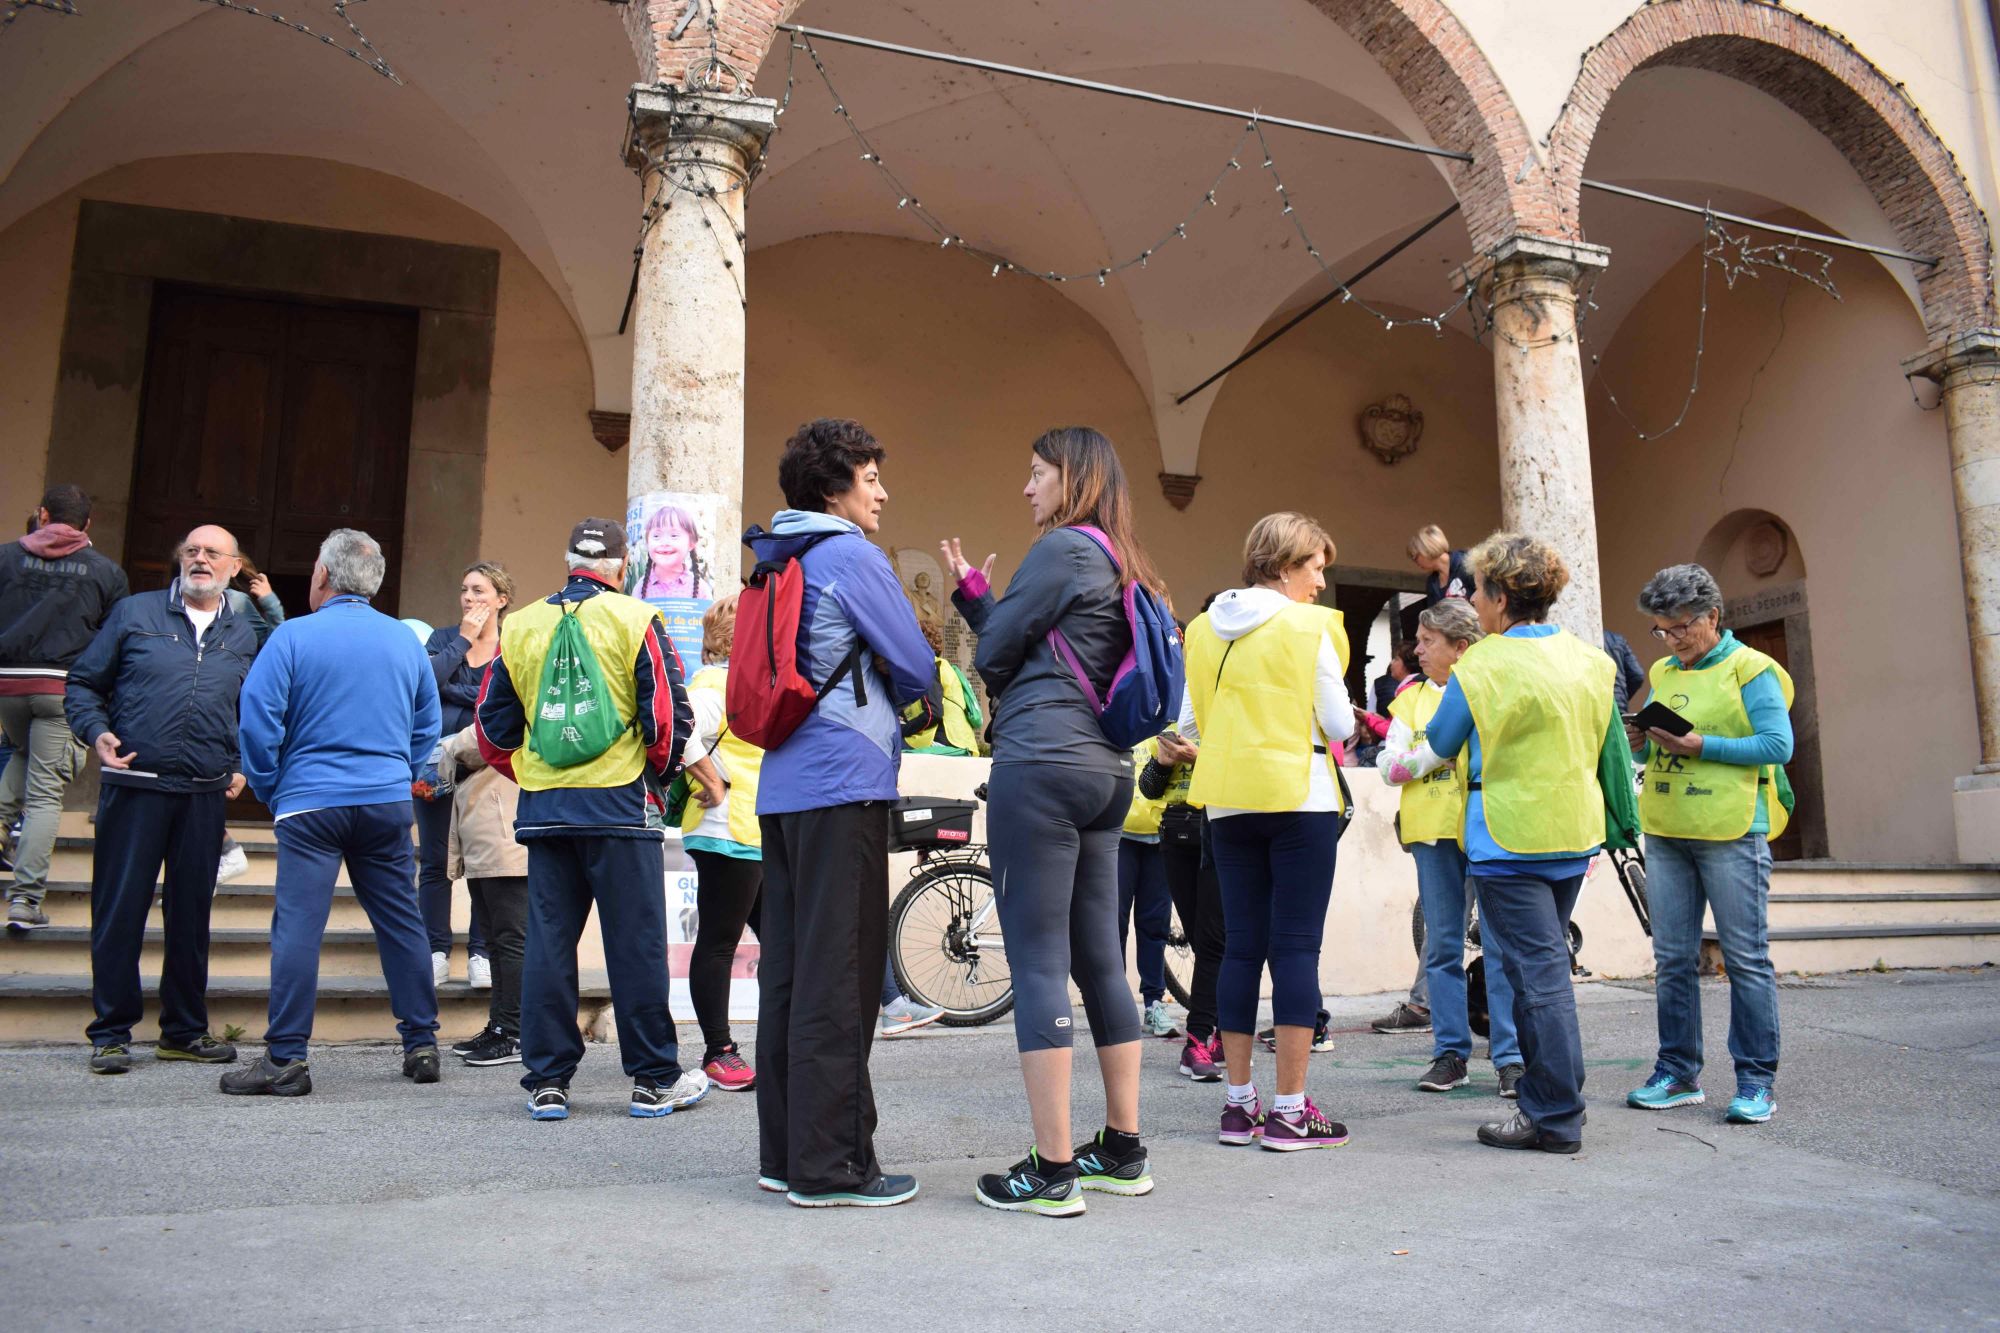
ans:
(741, 763)
(615, 625)
(1543, 708)
(1699, 798)
(1433, 808)
(1253, 704)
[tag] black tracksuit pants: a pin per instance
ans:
(138, 831)
(824, 925)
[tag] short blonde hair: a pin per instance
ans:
(1455, 619)
(1429, 543)
(1525, 573)
(1278, 542)
(718, 629)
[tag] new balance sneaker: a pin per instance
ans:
(476, 1039)
(1517, 1131)
(549, 1101)
(479, 972)
(420, 1065)
(906, 1015)
(1510, 1081)
(204, 1050)
(649, 1099)
(881, 1192)
(233, 865)
(1198, 1061)
(1305, 1128)
(440, 968)
(1663, 1092)
(24, 915)
(268, 1078)
(1751, 1106)
(1157, 1022)
(1031, 1186)
(1242, 1123)
(493, 1048)
(1269, 1036)
(112, 1059)
(729, 1071)
(1403, 1018)
(1108, 1170)
(1446, 1072)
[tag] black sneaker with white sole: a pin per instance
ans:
(1322, 1041)
(268, 1078)
(1109, 1169)
(549, 1101)
(1446, 1072)
(1403, 1018)
(1053, 1189)
(462, 1048)
(881, 1192)
(494, 1048)
(1510, 1081)
(421, 1064)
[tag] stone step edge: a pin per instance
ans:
(592, 985)
(1796, 934)
(27, 939)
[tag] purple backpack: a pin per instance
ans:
(1145, 695)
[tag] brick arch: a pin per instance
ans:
(1821, 76)
(1448, 82)
(745, 31)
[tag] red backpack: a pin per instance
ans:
(768, 697)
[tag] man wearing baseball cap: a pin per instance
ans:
(583, 817)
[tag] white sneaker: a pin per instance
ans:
(479, 972)
(906, 1015)
(1158, 1021)
(233, 864)
(440, 968)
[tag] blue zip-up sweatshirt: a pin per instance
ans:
(339, 709)
(843, 753)
(168, 697)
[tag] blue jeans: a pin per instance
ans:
(1276, 875)
(1446, 898)
(1143, 891)
(434, 881)
(1734, 880)
(1528, 918)
(374, 840)
(891, 992)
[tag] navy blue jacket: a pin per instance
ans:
(168, 697)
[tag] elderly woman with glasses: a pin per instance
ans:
(1712, 801)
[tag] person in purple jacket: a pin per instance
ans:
(823, 801)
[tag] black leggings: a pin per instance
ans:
(726, 897)
(1053, 833)
(1198, 900)
(503, 901)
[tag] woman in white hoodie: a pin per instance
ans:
(1267, 701)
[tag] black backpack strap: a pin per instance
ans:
(850, 665)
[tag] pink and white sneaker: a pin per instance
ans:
(1241, 1125)
(1200, 1061)
(1302, 1129)
(730, 1072)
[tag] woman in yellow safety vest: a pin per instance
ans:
(1547, 780)
(1268, 706)
(1712, 801)
(1433, 808)
(721, 835)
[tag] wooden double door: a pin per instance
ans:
(279, 420)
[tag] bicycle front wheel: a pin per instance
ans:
(1179, 962)
(945, 945)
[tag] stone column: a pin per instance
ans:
(687, 320)
(1531, 284)
(1967, 367)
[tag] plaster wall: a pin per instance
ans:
(543, 469)
(1802, 412)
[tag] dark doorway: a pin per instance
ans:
(1769, 639)
(279, 420)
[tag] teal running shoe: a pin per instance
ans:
(1752, 1106)
(1663, 1092)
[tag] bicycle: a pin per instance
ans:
(944, 927)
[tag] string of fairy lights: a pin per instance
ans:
(363, 50)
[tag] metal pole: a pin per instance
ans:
(1817, 238)
(1118, 90)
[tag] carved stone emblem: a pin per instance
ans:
(1391, 428)
(1765, 547)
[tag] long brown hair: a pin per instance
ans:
(1094, 492)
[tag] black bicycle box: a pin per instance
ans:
(921, 823)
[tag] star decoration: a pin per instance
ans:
(1737, 258)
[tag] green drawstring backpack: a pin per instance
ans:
(574, 718)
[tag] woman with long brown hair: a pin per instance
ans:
(1057, 800)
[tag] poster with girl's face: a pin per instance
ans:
(671, 539)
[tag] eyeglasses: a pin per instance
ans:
(1678, 631)
(207, 552)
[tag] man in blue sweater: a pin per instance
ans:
(339, 713)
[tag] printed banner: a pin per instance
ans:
(683, 921)
(673, 553)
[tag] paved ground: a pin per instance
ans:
(1874, 1199)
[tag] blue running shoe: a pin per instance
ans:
(550, 1101)
(1752, 1106)
(1663, 1092)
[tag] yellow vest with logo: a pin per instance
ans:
(1691, 797)
(955, 729)
(1433, 808)
(1144, 816)
(615, 625)
(1253, 703)
(741, 764)
(1543, 708)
